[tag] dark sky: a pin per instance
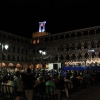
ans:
(21, 17)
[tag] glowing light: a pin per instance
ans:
(42, 26)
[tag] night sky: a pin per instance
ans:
(21, 17)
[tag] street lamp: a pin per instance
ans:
(90, 51)
(5, 47)
(42, 54)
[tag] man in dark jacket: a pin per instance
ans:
(28, 82)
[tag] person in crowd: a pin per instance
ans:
(67, 79)
(28, 83)
(51, 83)
(11, 83)
(62, 85)
(39, 77)
(41, 86)
(5, 81)
(80, 79)
(18, 86)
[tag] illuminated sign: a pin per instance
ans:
(42, 26)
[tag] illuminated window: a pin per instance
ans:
(38, 41)
(34, 42)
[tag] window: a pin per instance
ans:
(22, 59)
(86, 55)
(38, 41)
(67, 36)
(9, 57)
(67, 57)
(13, 48)
(85, 45)
(17, 58)
(62, 36)
(18, 50)
(79, 46)
(61, 57)
(25, 59)
(22, 51)
(79, 34)
(13, 58)
(73, 56)
(85, 33)
(34, 42)
(79, 56)
(72, 34)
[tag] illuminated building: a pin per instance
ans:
(69, 47)
(18, 53)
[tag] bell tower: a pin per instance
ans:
(41, 31)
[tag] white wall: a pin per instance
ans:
(51, 65)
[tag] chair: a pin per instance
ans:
(40, 91)
(50, 93)
(76, 85)
(7, 92)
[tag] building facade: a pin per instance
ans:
(19, 51)
(77, 47)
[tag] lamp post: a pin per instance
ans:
(42, 54)
(90, 51)
(5, 47)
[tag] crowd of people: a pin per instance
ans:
(29, 81)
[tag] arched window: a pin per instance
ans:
(72, 34)
(9, 57)
(61, 57)
(67, 36)
(17, 58)
(22, 59)
(72, 47)
(18, 50)
(51, 38)
(93, 54)
(98, 44)
(56, 37)
(13, 48)
(67, 57)
(56, 57)
(93, 45)
(79, 34)
(67, 48)
(13, 58)
(3, 57)
(79, 56)
(46, 39)
(85, 33)
(86, 55)
(79, 46)
(22, 51)
(99, 55)
(62, 36)
(85, 45)
(73, 56)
